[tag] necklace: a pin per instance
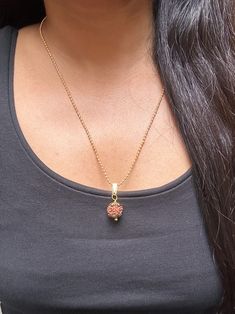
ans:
(114, 209)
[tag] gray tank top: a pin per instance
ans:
(60, 253)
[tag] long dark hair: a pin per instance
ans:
(194, 53)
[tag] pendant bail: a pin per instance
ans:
(114, 191)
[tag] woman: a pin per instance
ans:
(117, 161)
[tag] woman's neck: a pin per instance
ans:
(100, 33)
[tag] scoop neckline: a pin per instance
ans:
(56, 176)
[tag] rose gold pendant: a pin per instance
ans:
(114, 209)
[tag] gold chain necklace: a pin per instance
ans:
(114, 209)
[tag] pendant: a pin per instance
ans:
(114, 209)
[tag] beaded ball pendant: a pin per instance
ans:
(114, 209)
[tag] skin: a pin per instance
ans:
(102, 48)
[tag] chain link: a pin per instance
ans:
(82, 121)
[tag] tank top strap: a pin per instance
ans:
(8, 35)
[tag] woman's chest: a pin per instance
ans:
(116, 115)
